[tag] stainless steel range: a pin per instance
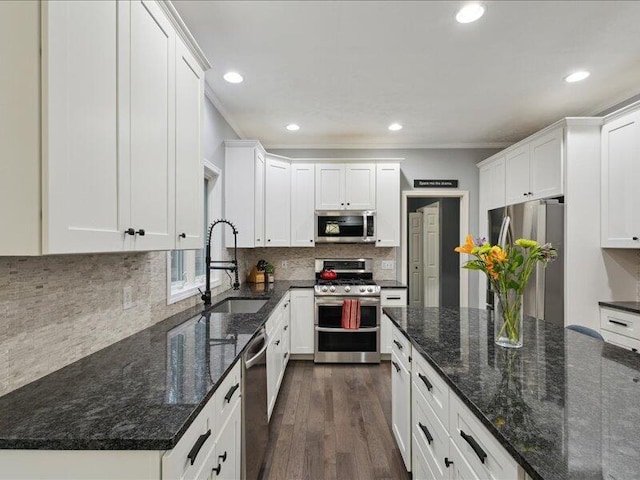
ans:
(354, 280)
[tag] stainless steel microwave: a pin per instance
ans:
(345, 226)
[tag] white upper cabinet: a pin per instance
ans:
(189, 166)
(620, 174)
(388, 212)
(277, 202)
(345, 186)
(492, 184)
(302, 204)
(244, 184)
(534, 169)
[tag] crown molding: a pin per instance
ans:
(208, 92)
(604, 106)
(374, 146)
(184, 33)
(623, 111)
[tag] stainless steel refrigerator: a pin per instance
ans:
(543, 221)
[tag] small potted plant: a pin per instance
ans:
(269, 271)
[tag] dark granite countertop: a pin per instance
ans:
(142, 392)
(564, 406)
(633, 307)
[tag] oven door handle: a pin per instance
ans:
(347, 330)
(337, 301)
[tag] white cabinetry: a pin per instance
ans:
(302, 204)
(278, 331)
(620, 174)
(620, 328)
(390, 297)
(244, 175)
(492, 194)
(388, 204)
(401, 396)
(302, 317)
(345, 186)
(277, 217)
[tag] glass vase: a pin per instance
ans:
(508, 319)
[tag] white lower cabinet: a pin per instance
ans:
(401, 407)
(278, 331)
(227, 449)
(390, 297)
(302, 313)
(620, 328)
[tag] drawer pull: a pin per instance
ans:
(482, 455)
(223, 457)
(397, 367)
(393, 298)
(286, 354)
(426, 432)
(230, 393)
(398, 344)
(426, 381)
(448, 462)
(197, 446)
(618, 322)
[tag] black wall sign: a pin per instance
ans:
(435, 183)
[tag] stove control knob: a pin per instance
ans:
(362, 289)
(370, 289)
(332, 288)
(347, 288)
(324, 289)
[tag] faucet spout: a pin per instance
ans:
(228, 265)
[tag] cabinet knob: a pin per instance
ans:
(311, 240)
(183, 235)
(348, 203)
(257, 239)
(277, 342)
(130, 231)
(141, 232)
(635, 238)
(379, 240)
(525, 194)
(530, 193)
(342, 204)
(268, 239)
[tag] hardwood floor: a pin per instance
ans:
(333, 422)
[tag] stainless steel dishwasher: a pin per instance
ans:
(255, 426)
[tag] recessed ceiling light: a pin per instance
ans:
(233, 77)
(576, 76)
(292, 127)
(394, 127)
(470, 13)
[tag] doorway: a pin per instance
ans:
(433, 224)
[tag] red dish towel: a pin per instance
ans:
(351, 314)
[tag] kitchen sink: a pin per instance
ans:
(239, 305)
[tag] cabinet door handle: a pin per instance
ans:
(482, 455)
(397, 367)
(141, 232)
(286, 354)
(634, 238)
(217, 469)
(393, 298)
(277, 342)
(230, 393)
(426, 381)
(223, 457)
(285, 327)
(448, 462)
(426, 432)
(183, 235)
(197, 446)
(130, 231)
(398, 344)
(618, 322)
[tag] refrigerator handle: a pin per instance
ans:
(504, 229)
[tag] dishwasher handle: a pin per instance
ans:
(264, 338)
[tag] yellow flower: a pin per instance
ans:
(526, 243)
(498, 254)
(467, 247)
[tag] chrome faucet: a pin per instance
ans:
(228, 265)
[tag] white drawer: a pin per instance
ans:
(430, 435)
(623, 323)
(198, 442)
(225, 398)
(419, 466)
(393, 297)
(432, 387)
(401, 347)
(497, 464)
(621, 341)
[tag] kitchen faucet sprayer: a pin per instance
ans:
(231, 265)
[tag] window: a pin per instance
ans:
(186, 268)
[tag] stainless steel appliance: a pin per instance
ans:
(543, 221)
(255, 426)
(345, 226)
(334, 344)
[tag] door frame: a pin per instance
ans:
(463, 195)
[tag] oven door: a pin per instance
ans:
(334, 344)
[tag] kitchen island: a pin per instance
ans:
(563, 407)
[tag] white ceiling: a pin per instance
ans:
(345, 70)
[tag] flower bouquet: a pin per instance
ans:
(508, 270)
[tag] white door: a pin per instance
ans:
(546, 165)
(415, 260)
(86, 203)
(620, 174)
(330, 186)
(388, 202)
(360, 186)
(228, 448)
(302, 205)
(260, 240)
(301, 321)
(277, 202)
(517, 175)
(431, 255)
(401, 408)
(189, 167)
(152, 127)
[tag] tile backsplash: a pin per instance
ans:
(55, 310)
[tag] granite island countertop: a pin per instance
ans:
(564, 406)
(142, 392)
(632, 307)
